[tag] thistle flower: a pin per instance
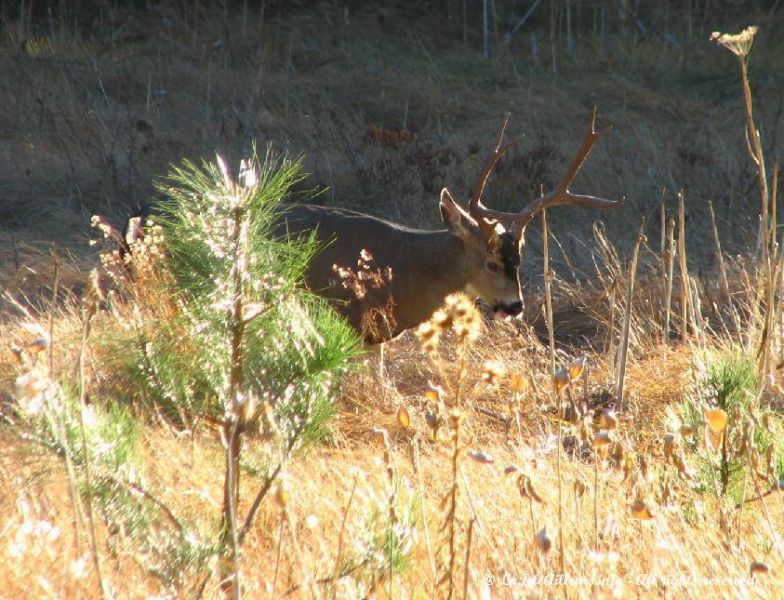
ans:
(282, 495)
(434, 393)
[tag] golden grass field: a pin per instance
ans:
(461, 469)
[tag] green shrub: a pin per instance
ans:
(728, 380)
(295, 346)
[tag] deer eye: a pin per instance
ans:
(493, 267)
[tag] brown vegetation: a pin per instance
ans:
(593, 440)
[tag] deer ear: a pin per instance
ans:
(455, 218)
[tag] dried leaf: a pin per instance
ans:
(669, 446)
(403, 418)
(601, 439)
(608, 420)
(641, 511)
(561, 380)
(518, 383)
(579, 488)
(717, 419)
(480, 456)
(434, 393)
(543, 541)
(577, 366)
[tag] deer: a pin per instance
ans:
(479, 252)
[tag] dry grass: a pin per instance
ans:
(339, 494)
(91, 121)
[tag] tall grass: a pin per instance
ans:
(203, 366)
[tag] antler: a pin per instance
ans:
(561, 194)
(486, 218)
(475, 207)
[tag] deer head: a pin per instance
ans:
(493, 239)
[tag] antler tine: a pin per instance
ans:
(475, 207)
(561, 194)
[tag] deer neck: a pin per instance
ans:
(435, 270)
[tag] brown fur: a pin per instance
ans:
(426, 266)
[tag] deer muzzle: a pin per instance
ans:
(509, 309)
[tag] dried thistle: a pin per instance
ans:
(365, 277)
(737, 43)
(458, 315)
(492, 371)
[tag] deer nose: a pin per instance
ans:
(513, 309)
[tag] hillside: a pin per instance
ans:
(622, 438)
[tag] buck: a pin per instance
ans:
(479, 253)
